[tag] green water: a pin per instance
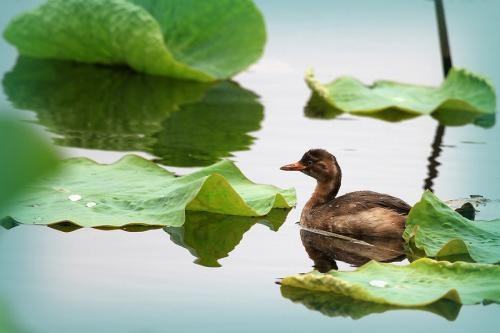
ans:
(155, 281)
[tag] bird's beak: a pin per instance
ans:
(297, 166)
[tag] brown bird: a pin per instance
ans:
(358, 214)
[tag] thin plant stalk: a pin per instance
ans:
(432, 171)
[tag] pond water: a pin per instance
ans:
(191, 279)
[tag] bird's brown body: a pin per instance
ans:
(358, 214)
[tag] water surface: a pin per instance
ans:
(115, 281)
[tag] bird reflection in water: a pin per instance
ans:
(325, 249)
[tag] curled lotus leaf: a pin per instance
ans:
(136, 191)
(420, 283)
(464, 97)
(199, 40)
(439, 231)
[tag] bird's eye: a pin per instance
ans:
(309, 163)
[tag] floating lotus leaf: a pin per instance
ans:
(422, 282)
(462, 98)
(183, 123)
(200, 40)
(210, 237)
(24, 157)
(439, 231)
(334, 305)
(137, 191)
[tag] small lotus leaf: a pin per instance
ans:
(439, 231)
(422, 282)
(462, 98)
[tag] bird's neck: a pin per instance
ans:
(326, 190)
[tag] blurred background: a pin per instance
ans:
(96, 281)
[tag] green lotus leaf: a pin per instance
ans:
(420, 283)
(462, 98)
(439, 231)
(199, 40)
(210, 237)
(8, 322)
(137, 191)
(182, 123)
(24, 157)
(334, 305)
